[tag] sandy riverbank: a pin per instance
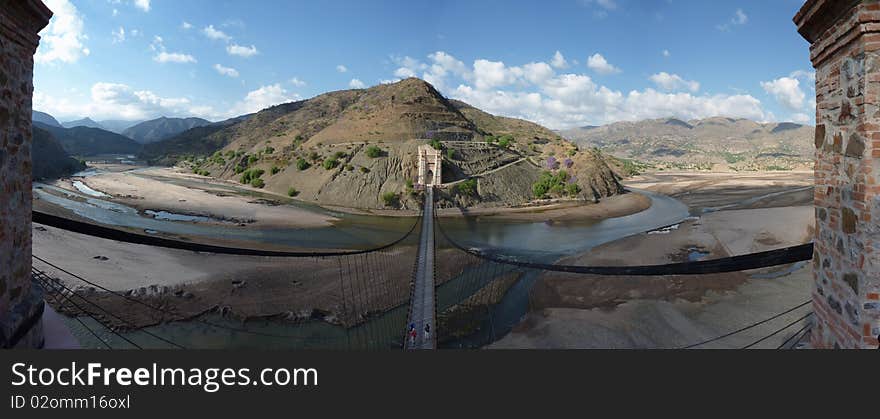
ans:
(615, 206)
(186, 284)
(729, 190)
(146, 190)
(593, 311)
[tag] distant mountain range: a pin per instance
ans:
(139, 130)
(87, 141)
(118, 125)
(717, 142)
(162, 128)
(85, 122)
(45, 118)
(50, 160)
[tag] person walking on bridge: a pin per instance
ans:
(427, 332)
(412, 334)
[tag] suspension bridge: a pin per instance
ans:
(422, 313)
(367, 298)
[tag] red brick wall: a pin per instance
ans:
(20, 21)
(845, 52)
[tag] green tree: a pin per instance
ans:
(291, 192)
(302, 164)
(275, 170)
(258, 183)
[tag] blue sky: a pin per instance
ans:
(560, 63)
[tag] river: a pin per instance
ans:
(535, 241)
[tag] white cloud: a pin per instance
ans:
(787, 92)
(535, 92)
(263, 98)
(115, 13)
(173, 57)
(558, 61)
(490, 74)
(671, 82)
(599, 64)
(163, 56)
(809, 76)
(800, 118)
(356, 84)
(186, 25)
(739, 18)
(117, 101)
(62, 40)
(536, 73)
(226, 71)
(215, 34)
(605, 4)
(242, 51)
(142, 4)
(666, 53)
(341, 68)
(297, 82)
(118, 35)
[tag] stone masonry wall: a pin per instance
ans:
(845, 52)
(20, 301)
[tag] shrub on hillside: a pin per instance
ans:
(467, 187)
(554, 184)
(390, 199)
(373, 151)
(331, 163)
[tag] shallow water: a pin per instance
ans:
(534, 241)
(350, 232)
(82, 187)
(172, 216)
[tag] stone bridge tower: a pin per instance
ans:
(845, 51)
(430, 164)
(21, 302)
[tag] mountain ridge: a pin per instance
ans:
(161, 128)
(715, 142)
(88, 141)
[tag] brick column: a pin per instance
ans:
(845, 51)
(21, 302)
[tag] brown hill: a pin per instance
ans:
(352, 147)
(717, 142)
(49, 158)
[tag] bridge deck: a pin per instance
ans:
(422, 305)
